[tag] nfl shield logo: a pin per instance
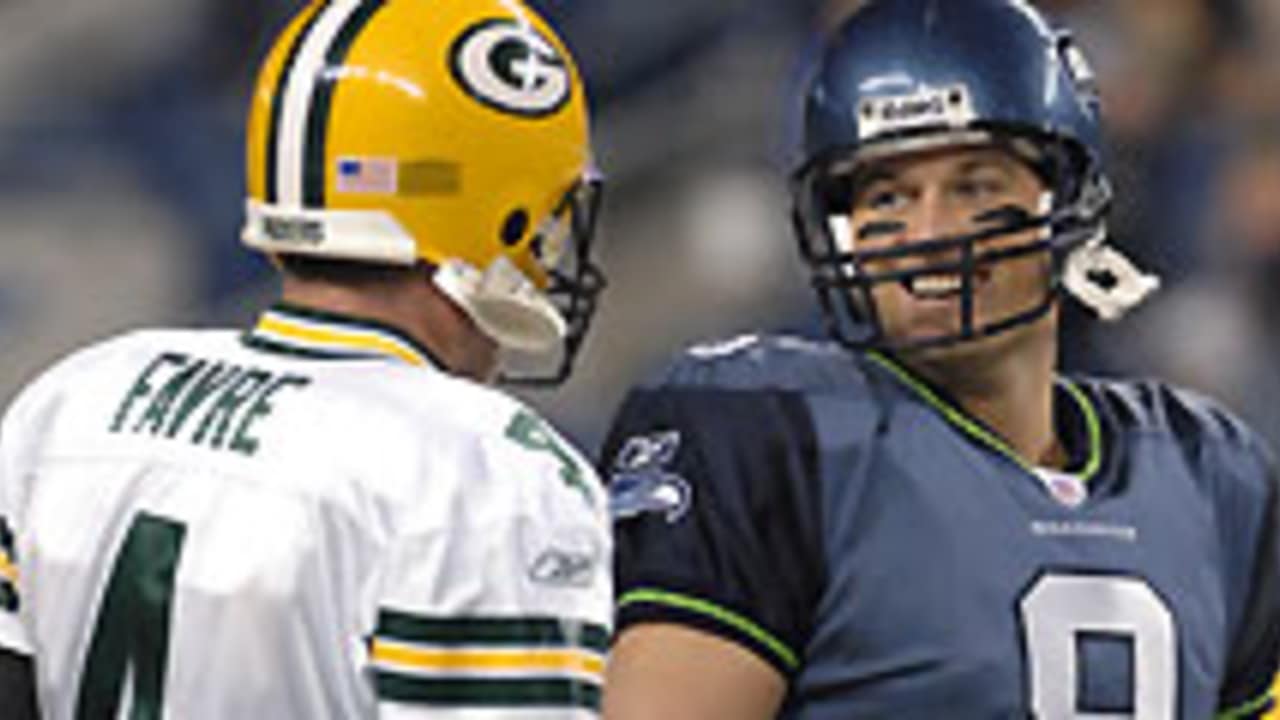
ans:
(1067, 489)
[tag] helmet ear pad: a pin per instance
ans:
(398, 133)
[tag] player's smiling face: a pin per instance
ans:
(943, 194)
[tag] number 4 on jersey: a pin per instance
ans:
(131, 635)
(528, 430)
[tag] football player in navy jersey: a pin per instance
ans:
(923, 518)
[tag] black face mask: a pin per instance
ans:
(844, 285)
(574, 287)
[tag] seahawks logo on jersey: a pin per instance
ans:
(641, 482)
(512, 68)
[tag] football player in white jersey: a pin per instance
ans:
(330, 515)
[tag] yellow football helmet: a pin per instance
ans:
(449, 131)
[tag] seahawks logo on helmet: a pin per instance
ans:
(510, 67)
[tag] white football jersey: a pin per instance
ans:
(308, 520)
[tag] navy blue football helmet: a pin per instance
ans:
(902, 76)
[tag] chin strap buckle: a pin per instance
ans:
(1104, 279)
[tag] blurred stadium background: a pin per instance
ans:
(121, 188)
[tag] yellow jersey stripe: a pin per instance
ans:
(7, 569)
(510, 660)
(335, 337)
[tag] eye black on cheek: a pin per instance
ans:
(878, 228)
(1008, 214)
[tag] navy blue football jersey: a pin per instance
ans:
(892, 558)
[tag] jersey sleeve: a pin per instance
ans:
(715, 499)
(13, 636)
(25, 424)
(1254, 660)
(17, 433)
(498, 601)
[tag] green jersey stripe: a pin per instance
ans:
(462, 692)
(723, 616)
(961, 420)
(542, 632)
(6, 539)
(1250, 709)
(256, 342)
(8, 597)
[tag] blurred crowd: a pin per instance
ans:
(1191, 92)
(121, 189)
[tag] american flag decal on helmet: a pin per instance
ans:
(367, 175)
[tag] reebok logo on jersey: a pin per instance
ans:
(563, 567)
(641, 482)
(561, 556)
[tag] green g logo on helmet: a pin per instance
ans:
(511, 68)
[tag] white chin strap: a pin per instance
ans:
(504, 304)
(1102, 278)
